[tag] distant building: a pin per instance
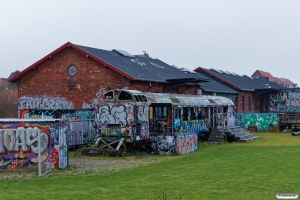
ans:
(253, 94)
(3, 83)
(259, 74)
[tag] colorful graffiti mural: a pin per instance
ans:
(261, 120)
(19, 146)
(194, 126)
(179, 144)
(186, 143)
(74, 116)
(285, 101)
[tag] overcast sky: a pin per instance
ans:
(237, 36)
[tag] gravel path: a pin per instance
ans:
(84, 165)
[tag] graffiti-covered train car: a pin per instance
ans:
(172, 122)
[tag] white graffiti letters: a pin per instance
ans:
(116, 115)
(143, 113)
(44, 103)
(15, 139)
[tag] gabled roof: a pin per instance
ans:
(132, 67)
(282, 81)
(139, 68)
(239, 82)
(287, 81)
(279, 80)
(213, 85)
(266, 74)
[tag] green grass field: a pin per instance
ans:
(255, 170)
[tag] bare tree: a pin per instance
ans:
(8, 103)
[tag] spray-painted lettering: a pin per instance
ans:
(14, 140)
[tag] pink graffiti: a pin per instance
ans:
(186, 143)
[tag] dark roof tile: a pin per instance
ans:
(244, 82)
(213, 85)
(144, 69)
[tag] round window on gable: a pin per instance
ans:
(72, 70)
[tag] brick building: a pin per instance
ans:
(71, 76)
(253, 94)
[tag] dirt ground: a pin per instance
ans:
(83, 165)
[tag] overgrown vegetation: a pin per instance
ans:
(8, 103)
(255, 170)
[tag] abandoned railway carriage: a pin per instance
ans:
(172, 122)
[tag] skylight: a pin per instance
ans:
(216, 70)
(186, 70)
(124, 53)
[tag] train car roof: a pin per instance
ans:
(139, 97)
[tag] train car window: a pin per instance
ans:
(144, 99)
(140, 98)
(220, 109)
(165, 113)
(161, 113)
(193, 114)
(185, 113)
(179, 112)
(136, 98)
(175, 112)
(225, 108)
(109, 95)
(125, 96)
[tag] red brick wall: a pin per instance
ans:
(262, 105)
(146, 86)
(51, 78)
(190, 90)
(256, 73)
(239, 105)
(160, 87)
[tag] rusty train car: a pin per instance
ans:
(131, 117)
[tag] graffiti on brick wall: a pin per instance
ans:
(76, 114)
(261, 120)
(73, 114)
(286, 101)
(19, 146)
(37, 114)
(95, 101)
(186, 143)
(49, 103)
(163, 144)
